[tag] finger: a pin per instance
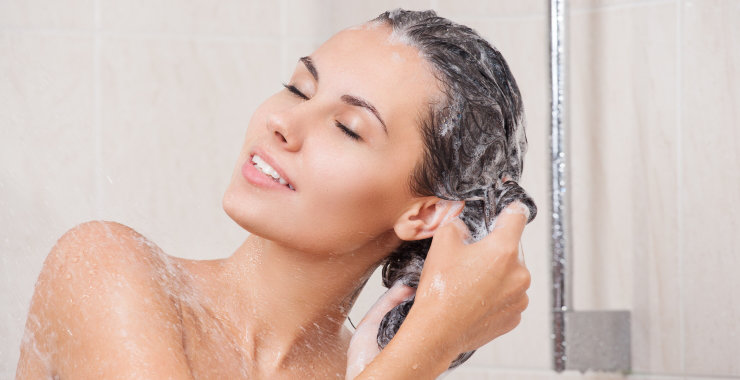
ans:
(390, 299)
(454, 208)
(451, 235)
(509, 226)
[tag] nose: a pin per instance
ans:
(283, 131)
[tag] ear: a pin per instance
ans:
(424, 216)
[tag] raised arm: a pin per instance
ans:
(467, 296)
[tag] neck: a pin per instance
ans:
(290, 305)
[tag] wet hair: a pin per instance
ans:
(474, 140)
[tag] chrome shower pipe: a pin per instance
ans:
(560, 248)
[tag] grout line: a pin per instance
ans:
(48, 31)
(190, 37)
(679, 179)
(283, 37)
(209, 37)
(503, 17)
(636, 4)
(551, 374)
(97, 112)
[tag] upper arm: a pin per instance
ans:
(101, 309)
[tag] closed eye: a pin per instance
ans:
(295, 91)
(350, 133)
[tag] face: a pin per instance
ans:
(342, 138)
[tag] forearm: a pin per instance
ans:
(417, 351)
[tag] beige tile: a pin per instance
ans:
(185, 106)
(489, 9)
(373, 290)
(624, 151)
(292, 51)
(527, 346)
(46, 176)
(320, 19)
(710, 217)
(480, 373)
(310, 20)
(252, 18)
(349, 13)
(576, 375)
(47, 14)
(606, 5)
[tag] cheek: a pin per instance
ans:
(354, 200)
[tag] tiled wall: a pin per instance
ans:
(134, 111)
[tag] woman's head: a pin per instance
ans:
(351, 180)
(432, 111)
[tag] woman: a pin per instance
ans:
(382, 136)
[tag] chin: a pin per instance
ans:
(258, 220)
(287, 230)
(310, 234)
(239, 208)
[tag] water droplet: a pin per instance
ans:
(67, 276)
(415, 366)
(75, 259)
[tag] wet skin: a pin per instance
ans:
(110, 304)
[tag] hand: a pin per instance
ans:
(473, 293)
(363, 347)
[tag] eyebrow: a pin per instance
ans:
(310, 66)
(355, 101)
(349, 99)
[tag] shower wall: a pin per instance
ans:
(134, 111)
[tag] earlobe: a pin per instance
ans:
(424, 217)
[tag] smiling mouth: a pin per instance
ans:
(268, 170)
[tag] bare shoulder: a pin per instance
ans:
(103, 307)
(96, 257)
(105, 243)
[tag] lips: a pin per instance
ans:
(263, 171)
(267, 169)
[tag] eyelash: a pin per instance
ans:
(351, 134)
(295, 91)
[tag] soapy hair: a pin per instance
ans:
(474, 140)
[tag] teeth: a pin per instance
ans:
(264, 167)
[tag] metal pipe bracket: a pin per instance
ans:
(598, 340)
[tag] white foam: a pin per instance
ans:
(438, 284)
(395, 57)
(453, 208)
(517, 207)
